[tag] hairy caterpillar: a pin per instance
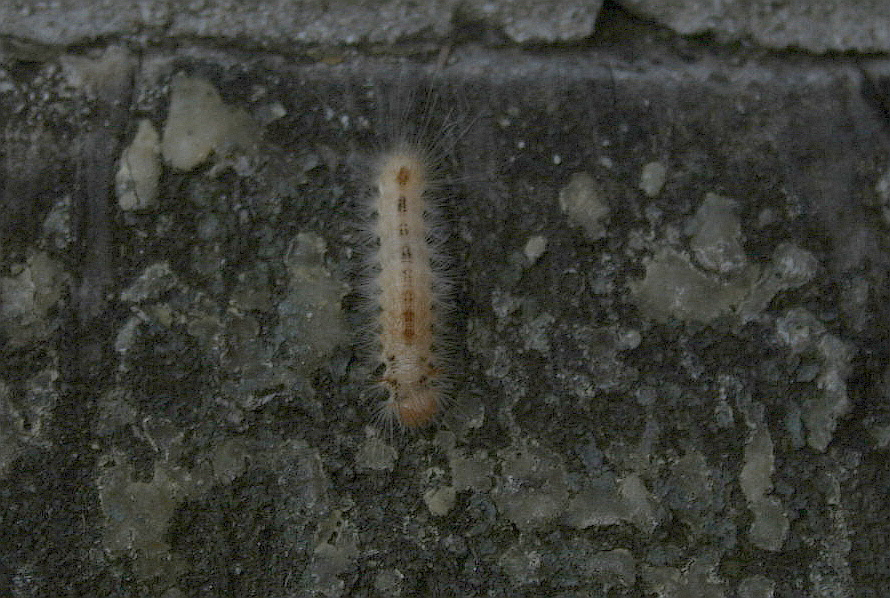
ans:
(407, 289)
(408, 276)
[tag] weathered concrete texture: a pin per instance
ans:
(287, 22)
(293, 25)
(813, 25)
(671, 372)
(531, 21)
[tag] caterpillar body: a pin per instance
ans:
(408, 287)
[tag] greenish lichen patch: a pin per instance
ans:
(310, 316)
(27, 296)
(770, 526)
(26, 411)
(375, 453)
(674, 288)
(803, 333)
(137, 512)
(531, 490)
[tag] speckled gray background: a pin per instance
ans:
(669, 227)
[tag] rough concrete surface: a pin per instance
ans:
(669, 320)
(318, 25)
(284, 24)
(812, 25)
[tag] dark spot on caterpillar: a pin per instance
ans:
(408, 321)
(406, 253)
(403, 230)
(403, 176)
(402, 204)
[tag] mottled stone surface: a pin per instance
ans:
(818, 26)
(289, 22)
(674, 383)
(814, 25)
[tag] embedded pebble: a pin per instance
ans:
(802, 331)
(537, 333)
(151, 284)
(445, 440)
(231, 458)
(628, 339)
(693, 496)
(884, 193)
(337, 548)
(880, 433)
(757, 586)
(522, 564)
(695, 579)
(440, 500)
(882, 188)
(389, 582)
(199, 123)
(757, 470)
(253, 291)
(310, 315)
(582, 199)
(57, 226)
(11, 426)
(717, 235)
(529, 23)
(139, 170)
(652, 178)
(531, 490)
(255, 376)
(27, 297)
(93, 75)
(790, 267)
(595, 507)
(674, 288)
(137, 513)
(613, 567)
(535, 248)
(611, 504)
(770, 526)
(639, 505)
(471, 472)
(375, 454)
(26, 415)
(821, 412)
(799, 329)
(127, 334)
